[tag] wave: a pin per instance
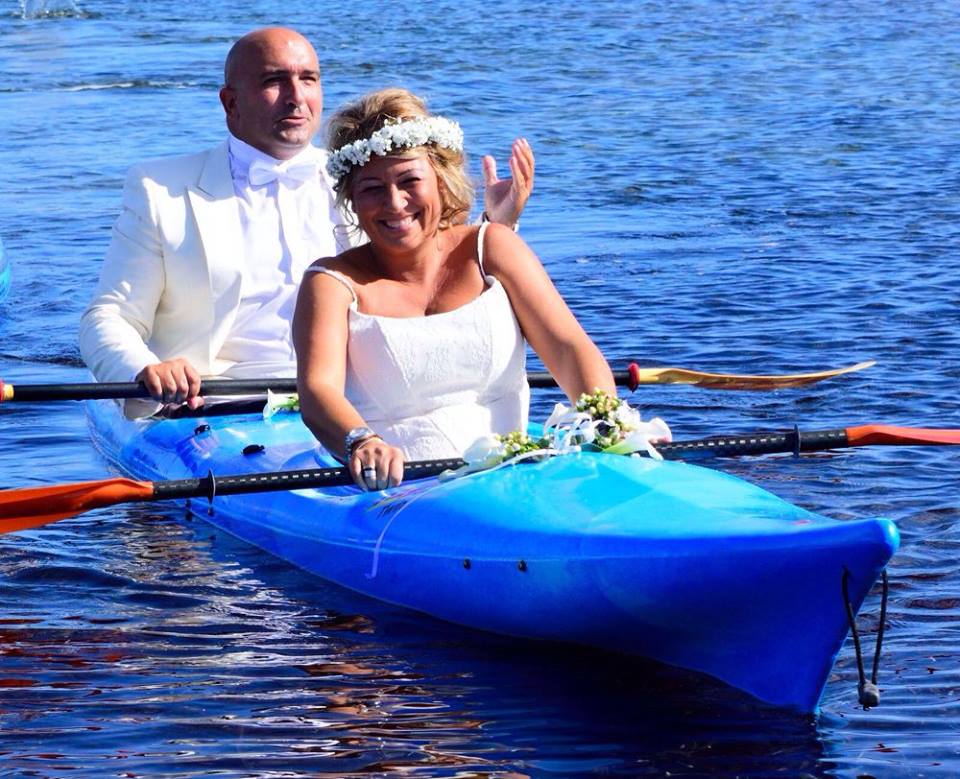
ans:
(72, 359)
(136, 83)
(47, 9)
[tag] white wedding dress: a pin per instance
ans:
(432, 385)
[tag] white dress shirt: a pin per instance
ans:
(286, 223)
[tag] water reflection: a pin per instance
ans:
(235, 657)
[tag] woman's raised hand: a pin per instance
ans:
(504, 199)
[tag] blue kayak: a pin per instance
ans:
(668, 560)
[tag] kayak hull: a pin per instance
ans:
(666, 560)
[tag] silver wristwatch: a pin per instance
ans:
(355, 437)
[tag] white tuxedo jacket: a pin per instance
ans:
(170, 282)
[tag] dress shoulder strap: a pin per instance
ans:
(339, 277)
(480, 232)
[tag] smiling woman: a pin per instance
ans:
(412, 346)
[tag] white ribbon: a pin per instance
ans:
(568, 429)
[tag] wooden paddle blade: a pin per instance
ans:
(34, 506)
(888, 435)
(733, 381)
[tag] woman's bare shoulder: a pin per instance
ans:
(348, 263)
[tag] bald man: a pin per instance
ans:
(207, 254)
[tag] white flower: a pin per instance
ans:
(278, 403)
(642, 438)
(484, 449)
(627, 418)
(379, 145)
(484, 453)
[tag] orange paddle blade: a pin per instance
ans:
(866, 435)
(34, 506)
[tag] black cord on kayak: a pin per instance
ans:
(883, 620)
(868, 692)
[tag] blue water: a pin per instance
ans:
(736, 186)
(4, 273)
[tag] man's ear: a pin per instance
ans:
(228, 99)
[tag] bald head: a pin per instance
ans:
(257, 41)
(271, 93)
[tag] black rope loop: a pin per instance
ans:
(868, 693)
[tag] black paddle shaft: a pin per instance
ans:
(730, 445)
(543, 380)
(33, 393)
(794, 441)
(210, 486)
(122, 390)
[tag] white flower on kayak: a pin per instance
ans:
(643, 437)
(487, 449)
(280, 403)
(627, 418)
(598, 421)
(608, 423)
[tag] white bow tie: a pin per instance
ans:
(262, 172)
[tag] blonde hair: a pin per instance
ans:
(363, 117)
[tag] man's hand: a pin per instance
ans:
(172, 382)
(504, 199)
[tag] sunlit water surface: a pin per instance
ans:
(750, 187)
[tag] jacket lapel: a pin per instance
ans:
(218, 222)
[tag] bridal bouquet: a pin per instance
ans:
(597, 421)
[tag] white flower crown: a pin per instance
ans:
(396, 134)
